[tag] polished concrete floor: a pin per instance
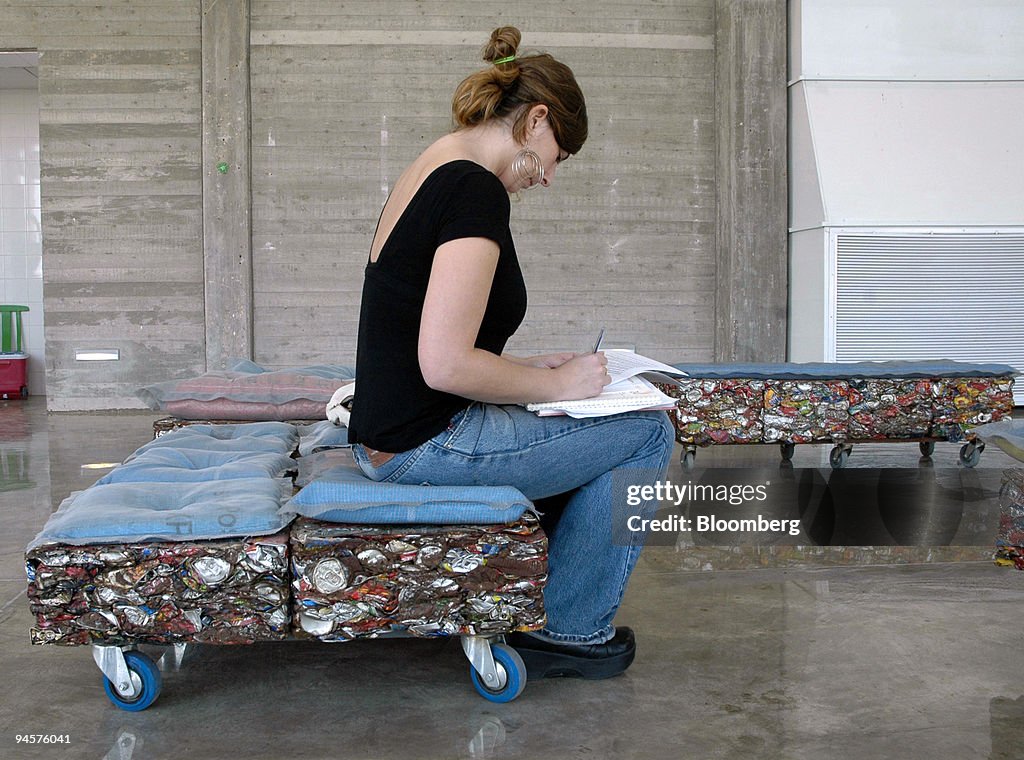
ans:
(775, 651)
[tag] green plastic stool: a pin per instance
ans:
(10, 329)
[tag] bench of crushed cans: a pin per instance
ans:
(324, 563)
(839, 403)
(1010, 537)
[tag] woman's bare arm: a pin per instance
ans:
(456, 298)
(541, 360)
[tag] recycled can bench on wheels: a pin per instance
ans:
(841, 404)
(133, 680)
(340, 559)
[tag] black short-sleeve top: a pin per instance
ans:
(394, 409)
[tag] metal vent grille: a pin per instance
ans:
(927, 295)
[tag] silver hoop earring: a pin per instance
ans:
(527, 168)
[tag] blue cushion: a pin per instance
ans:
(321, 436)
(127, 512)
(278, 437)
(326, 371)
(172, 465)
(344, 495)
(226, 432)
(846, 370)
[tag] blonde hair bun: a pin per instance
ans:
(508, 89)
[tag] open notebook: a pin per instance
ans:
(627, 392)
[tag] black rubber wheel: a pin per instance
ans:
(927, 448)
(970, 455)
(837, 457)
(786, 449)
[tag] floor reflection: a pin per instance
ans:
(125, 746)
(799, 660)
(894, 506)
(1006, 716)
(15, 431)
(490, 737)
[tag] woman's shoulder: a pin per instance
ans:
(448, 159)
(468, 182)
(462, 168)
(447, 173)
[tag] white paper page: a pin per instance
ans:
(623, 363)
(624, 396)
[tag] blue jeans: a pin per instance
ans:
(488, 444)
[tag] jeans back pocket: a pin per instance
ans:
(463, 430)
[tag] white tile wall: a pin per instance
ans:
(21, 247)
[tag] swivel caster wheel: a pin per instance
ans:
(970, 453)
(927, 448)
(511, 675)
(786, 449)
(838, 456)
(142, 687)
(688, 459)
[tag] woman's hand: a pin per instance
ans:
(583, 376)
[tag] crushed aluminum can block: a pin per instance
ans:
(170, 424)
(1010, 538)
(431, 580)
(716, 411)
(228, 591)
(1010, 556)
(328, 576)
(806, 411)
(211, 570)
(959, 404)
(462, 561)
(887, 409)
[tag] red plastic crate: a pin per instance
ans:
(13, 374)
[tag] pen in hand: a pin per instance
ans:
(600, 338)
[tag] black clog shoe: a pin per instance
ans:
(544, 659)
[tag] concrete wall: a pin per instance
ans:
(119, 125)
(750, 106)
(342, 96)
